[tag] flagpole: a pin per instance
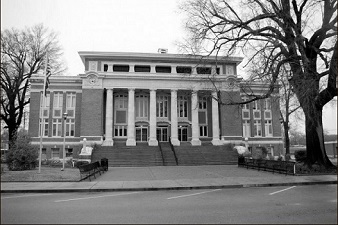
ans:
(41, 112)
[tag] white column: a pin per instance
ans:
(152, 69)
(131, 118)
(131, 68)
(173, 69)
(152, 119)
(174, 126)
(194, 119)
(109, 119)
(215, 120)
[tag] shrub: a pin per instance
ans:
(300, 155)
(22, 155)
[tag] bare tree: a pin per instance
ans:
(299, 34)
(22, 55)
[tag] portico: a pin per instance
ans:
(154, 115)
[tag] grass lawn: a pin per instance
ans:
(47, 174)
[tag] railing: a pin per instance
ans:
(159, 145)
(173, 149)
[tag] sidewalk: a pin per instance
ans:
(170, 178)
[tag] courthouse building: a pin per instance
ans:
(133, 98)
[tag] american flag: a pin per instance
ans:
(48, 73)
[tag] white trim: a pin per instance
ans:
(58, 143)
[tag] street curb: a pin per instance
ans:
(169, 188)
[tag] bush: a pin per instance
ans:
(59, 162)
(300, 155)
(22, 155)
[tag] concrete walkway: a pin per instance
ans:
(170, 178)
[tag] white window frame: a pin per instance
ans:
(246, 128)
(44, 124)
(142, 107)
(257, 128)
(162, 106)
(267, 104)
(120, 104)
(229, 69)
(57, 124)
(70, 125)
(57, 104)
(70, 104)
(268, 124)
(121, 131)
(182, 106)
(44, 109)
(203, 130)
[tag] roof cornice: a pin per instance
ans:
(159, 57)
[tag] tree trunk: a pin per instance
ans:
(315, 147)
(12, 133)
(286, 138)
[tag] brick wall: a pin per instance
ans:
(34, 114)
(230, 115)
(92, 112)
(276, 125)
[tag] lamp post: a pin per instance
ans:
(64, 140)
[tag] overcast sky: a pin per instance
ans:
(100, 25)
(109, 25)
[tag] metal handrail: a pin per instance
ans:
(173, 149)
(159, 144)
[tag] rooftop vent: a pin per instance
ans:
(162, 50)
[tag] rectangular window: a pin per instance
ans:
(120, 131)
(229, 70)
(70, 127)
(257, 128)
(57, 128)
(44, 124)
(121, 68)
(202, 103)
(139, 68)
(245, 106)
(55, 153)
(268, 128)
(47, 100)
(163, 69)
(120, 109)
(203, 70)
(57, 104)
(70, 104)
(162, 106)
(267, 104)
(256, 105)
(44, 109)
(203, 131)
(141, 107)
(182, 106)
(246, 128)
(183, 69)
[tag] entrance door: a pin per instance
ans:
(183, 134)
(141, 133)
(162, 134)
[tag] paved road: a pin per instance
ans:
(289, 204)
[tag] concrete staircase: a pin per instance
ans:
(129, 156)
(206, 154)
(168, 155)
(141, 155)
